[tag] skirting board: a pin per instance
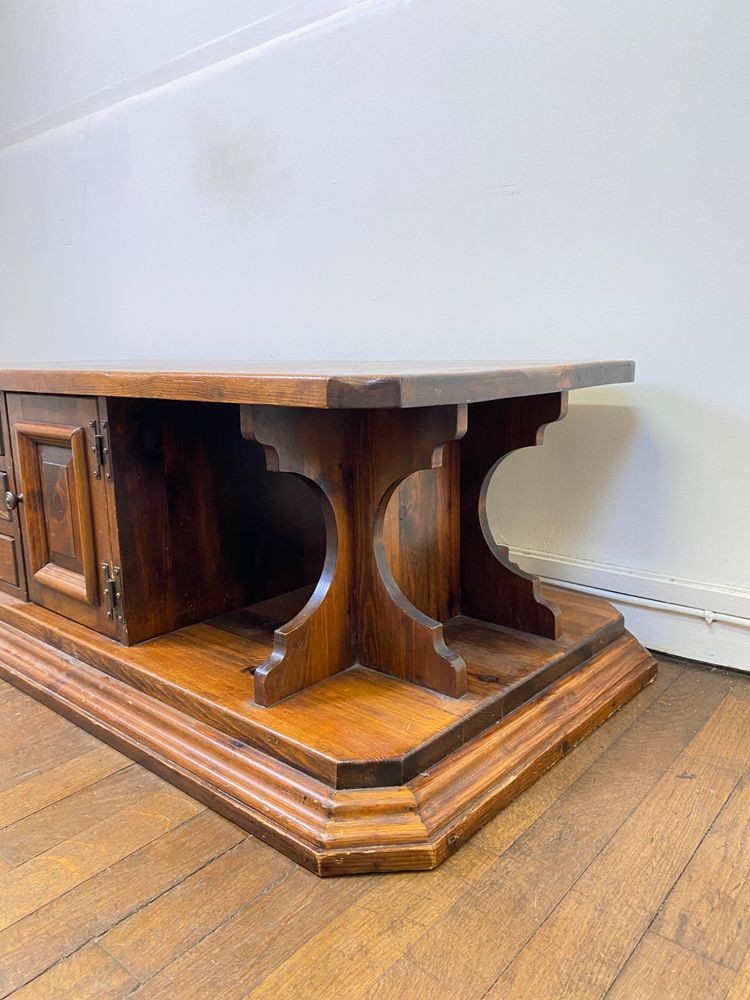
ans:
(681, 617)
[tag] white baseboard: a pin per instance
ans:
(683, 617)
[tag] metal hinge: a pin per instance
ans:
(100, 449)
(112, 586)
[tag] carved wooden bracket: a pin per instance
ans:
(493, 588)
(318, 641)
(357, 612)
(392, 635)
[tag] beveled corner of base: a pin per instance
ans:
(336, 831)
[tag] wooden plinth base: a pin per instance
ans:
(353, 819)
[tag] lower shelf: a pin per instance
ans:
(331, 829)
(358, 728)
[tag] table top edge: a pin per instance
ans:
(331, 385)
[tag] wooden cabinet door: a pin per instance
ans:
(12, 578)
(64, 519)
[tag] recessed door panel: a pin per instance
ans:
(63, 507)
(8, 561)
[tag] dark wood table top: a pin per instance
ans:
(330, 384)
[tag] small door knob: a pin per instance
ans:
(12, 500)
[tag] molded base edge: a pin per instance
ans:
(410, 827)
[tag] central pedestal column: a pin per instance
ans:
(355, 460)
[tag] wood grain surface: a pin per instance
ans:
(493, 588)
(331, 384)
(387, 827)
(63, 516)
(356, 728)
(12, 569)
(192, 907)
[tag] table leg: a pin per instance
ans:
(493, 588)
(393, 635)
(317, 642)
(355, 460)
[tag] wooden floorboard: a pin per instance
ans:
(624, 872)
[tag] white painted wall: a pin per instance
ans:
(425, 179)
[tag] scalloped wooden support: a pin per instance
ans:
(493, 588)
(357, 613)
(318, 641)
(392, 635)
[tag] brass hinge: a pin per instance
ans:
(112, 586)
(100, 449)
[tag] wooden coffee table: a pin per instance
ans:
(277, 587)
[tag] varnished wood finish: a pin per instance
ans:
(421, 529)
(64, 517)
(200, 528)
(9, 562)
(357, 612)
(318, 641)
(361, 611)
(182, 904)
(392, 634)
(413, 826)
(59, 526)
(336, 385)
(356, 729)
(309, 623)
(493, 588)
(12, 570)
(190, 518)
